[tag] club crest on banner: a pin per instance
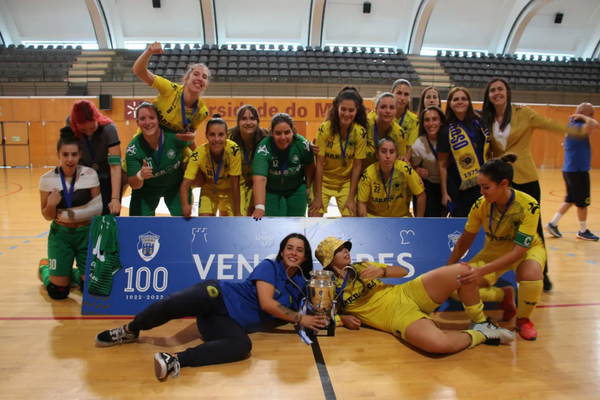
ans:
(148, 246)
(452, 239)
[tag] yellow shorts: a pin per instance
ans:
(210, 203)
(536, 253)
(246, 201)
(413, 305)
(339, 192)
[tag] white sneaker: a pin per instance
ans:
(494, 334)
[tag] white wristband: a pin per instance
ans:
(139, 175)
(259, 207)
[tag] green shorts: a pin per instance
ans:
(293, 205)
(64, 246)
(144, 203)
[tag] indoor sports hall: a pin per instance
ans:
(132, 73)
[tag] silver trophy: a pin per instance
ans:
(321, 297)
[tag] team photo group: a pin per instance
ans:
(432, 162)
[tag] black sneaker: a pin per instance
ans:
(115, 336)
(553, 229)
(164, 364)
(547, 284)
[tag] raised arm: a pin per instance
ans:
(140, 68)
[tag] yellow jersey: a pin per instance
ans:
(394, 132)
(519, 225)
(409, 123)
(373, 302)
(168, 103)
(201, 159)
(335, 173)
(389, 200)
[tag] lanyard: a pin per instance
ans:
(388, 189)
(341, 289)
(343, 148)
(160, 143)
(90, 147)
(469, 132)
(376, 136)
(512, 197)
(402, 120)
(68, 194)
(287, 155)
(248, 161)
(433, 150)
(216, 175)
(184, 120)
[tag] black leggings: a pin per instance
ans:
(225, 340)
(533, 189)
(433, 206)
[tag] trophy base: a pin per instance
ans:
(330, 331)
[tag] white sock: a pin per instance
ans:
(556, 218)
(582, 226)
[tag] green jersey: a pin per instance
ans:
(282, 168)
(167, 171)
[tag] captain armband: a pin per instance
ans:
(114, 160)
(82, 213)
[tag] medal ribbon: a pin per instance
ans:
(68, 194)
(184, 119)
(433, 150)
(90, 148)
(160, 143)
(388, 189)
(287, 155)
(216, 175)
(512, 197)
(343, 148)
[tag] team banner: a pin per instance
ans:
(161, 255)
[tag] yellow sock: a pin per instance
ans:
(476, 312)
(491, 293)
(476, 337)
(529, 296)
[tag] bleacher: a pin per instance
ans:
(29, 64)
(251, 63)
(541, 74)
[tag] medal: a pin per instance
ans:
(184, 120)
(68, 195)
(284, 166)
(343, 148)
(95, 166)
(218, 172)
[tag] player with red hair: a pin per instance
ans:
(100, 150)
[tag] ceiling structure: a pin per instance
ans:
(495, 26)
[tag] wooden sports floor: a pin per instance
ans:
(47, 349)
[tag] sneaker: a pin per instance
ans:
(526, 329)
(164, 364)
(115, 336)
(553, 230)
(43, 263)
(494, 334)
(508, 304)
(547, 283)
(587, 235)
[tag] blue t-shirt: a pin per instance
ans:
(578, 153)
(241, 299)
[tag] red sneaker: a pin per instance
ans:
(526, 329)
(508, 304)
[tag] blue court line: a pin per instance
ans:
(572, 255)
(25, 237)
(27, 241)
(553, 248)
(591, 262)
(14, 247)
